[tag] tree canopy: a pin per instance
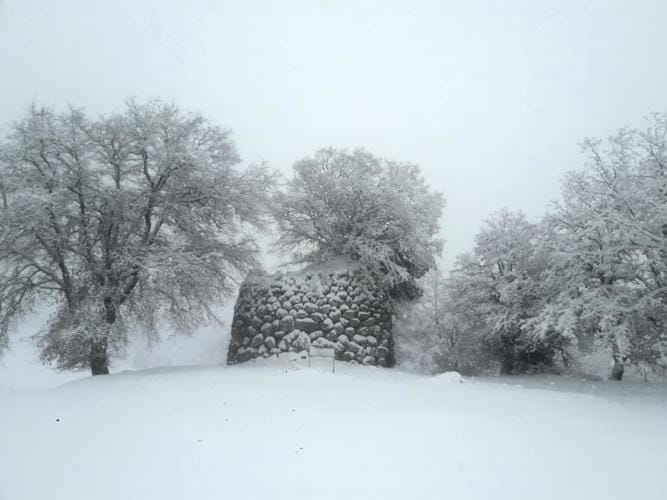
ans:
(355, 205)
(608, 248)
(121, 220)
(590, 276)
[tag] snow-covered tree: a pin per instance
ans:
(608, 247)
(435, 333)
(354, 205)
(121, 221)
(497, 290)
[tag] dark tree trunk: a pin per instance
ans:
(619, 364)
(99, 360)
(99, 357)
(565, 358)
(507, 366)
(617, 370)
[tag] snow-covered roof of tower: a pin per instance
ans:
(335, 266)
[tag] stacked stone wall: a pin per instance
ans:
(336, 309)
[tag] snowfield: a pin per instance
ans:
(261, 431)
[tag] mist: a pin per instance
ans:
(491, 99)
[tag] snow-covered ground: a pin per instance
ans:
(262, 431)
(20, 368)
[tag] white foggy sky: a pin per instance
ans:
(491, 98)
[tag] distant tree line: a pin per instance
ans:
(126, 221)
(592, 274)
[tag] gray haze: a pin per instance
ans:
(490, 98)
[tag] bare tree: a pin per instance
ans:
(120, 221)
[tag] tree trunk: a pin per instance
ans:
(99, 360)
(99, 357)
(617, 370)
(619, 364)
(565, 358)
(507, 366)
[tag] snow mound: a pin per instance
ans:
(449, 378)
(259, 276)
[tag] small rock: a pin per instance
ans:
(287, 323)
(316, 335)
(317, 317)
(359, 339)
(257, 340)
(301, 342)
(364, 316)
(333, 300)
(323, 343)
(310, 308)
(382, 351)
(354, 347)
(270, 343)
(450, 378)
(245, 354)
(306, 324)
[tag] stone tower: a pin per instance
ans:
(329, 306)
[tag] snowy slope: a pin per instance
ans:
(254, 431)
(20, 368)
